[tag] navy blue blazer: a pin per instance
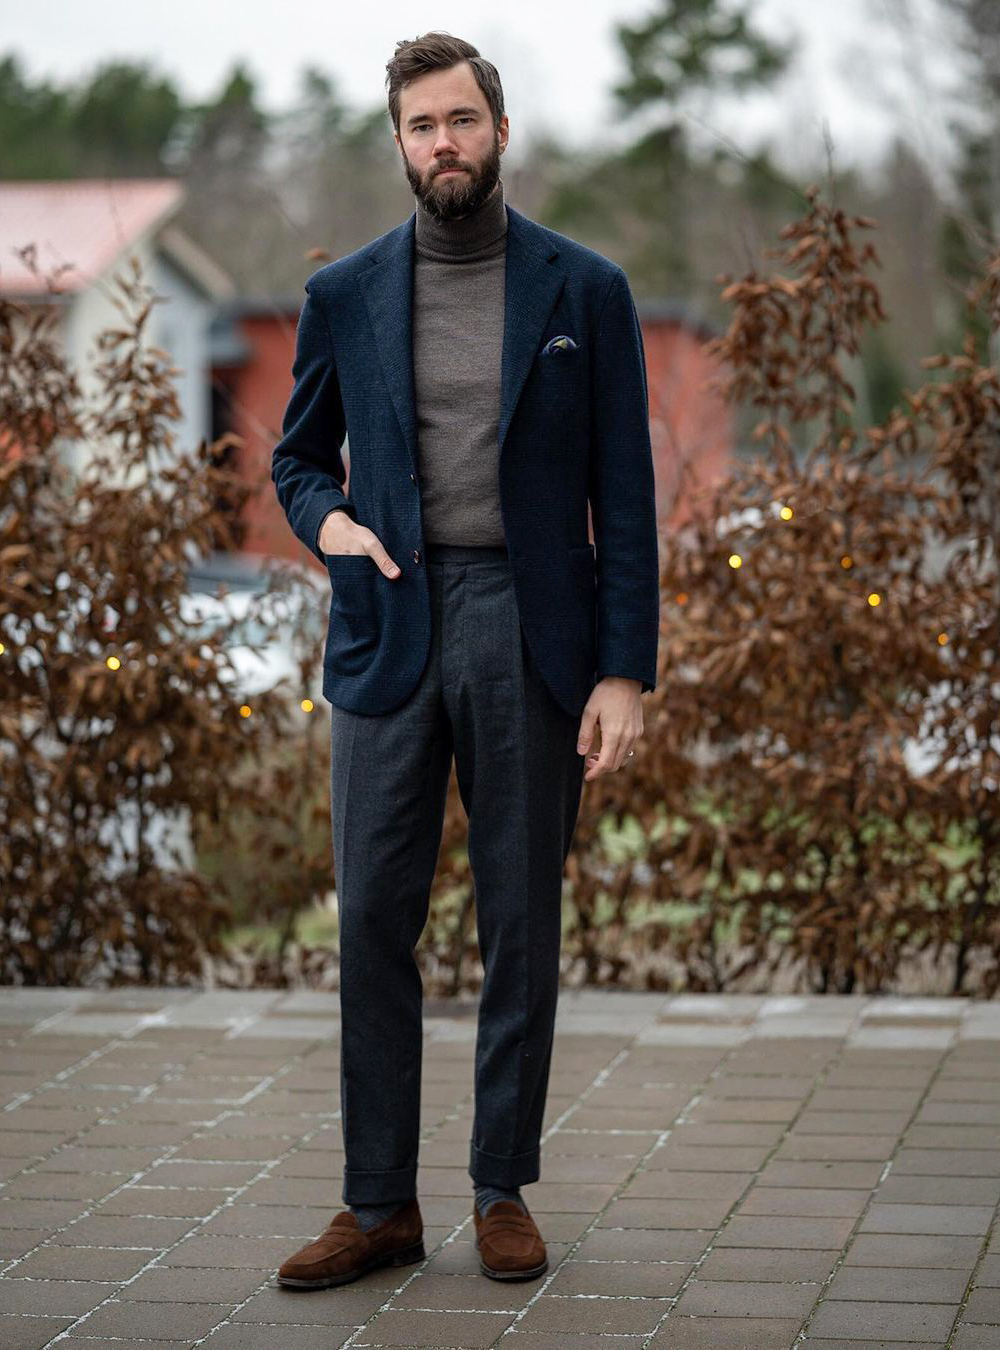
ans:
(574, 426)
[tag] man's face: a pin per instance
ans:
(445, 124)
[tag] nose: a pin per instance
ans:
(445, 143)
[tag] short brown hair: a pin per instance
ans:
(440, 51)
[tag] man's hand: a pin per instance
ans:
(615, 705)
(340, 534)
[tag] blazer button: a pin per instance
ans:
(416, 555)
(413, 477)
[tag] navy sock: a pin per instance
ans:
(370, 1215)
(488, 1195)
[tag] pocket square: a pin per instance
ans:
(562, 343)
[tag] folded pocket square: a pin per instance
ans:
(562, 343)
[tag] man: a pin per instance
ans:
(490, 376)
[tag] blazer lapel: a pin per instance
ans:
(387, 287)
(532, 286)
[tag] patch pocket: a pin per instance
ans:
(353, 620)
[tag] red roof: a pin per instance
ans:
(88, 222)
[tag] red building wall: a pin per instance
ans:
(691, 431)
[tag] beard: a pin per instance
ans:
(450, 198)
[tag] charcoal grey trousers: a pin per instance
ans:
(481, 700)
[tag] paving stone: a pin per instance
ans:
(63, 1298)
(30, 1333)
(681, 1158)
(725, 1333)
(81, 1263)
(812, 1203)
(723, 1134)
(637, 1244)
(272, 1221)
(228, 1252)
(162, 1321)
(983, 1306)
(550, 1312)
(848, 1098)
(435, 1290)
(862, 1176)
(959, 1113)
(173, 1285)
(946, 1162)
(743, 1298)
(913, 1249)
(100, 1230)
(957, 1220)
(752, 1231)
(468, 1330)
(576, 1340)
(852, 1122)
(805, 1147)
(673, 1184)
(64, 1185)
(721, 1109)
(664, 1214)
(899, 1284)
(652, 1279)
(745, 1087)
(162, 1202)
(988, 1272)
(823, 1343)
(349, 1305)
(868, 1320)
(929, 1190)
(779, 1265)
(241, 1337)
(974, 1338)
(49, 1214)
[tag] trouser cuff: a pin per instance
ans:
(505, 1170)
(379, 1188)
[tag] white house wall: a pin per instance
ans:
(179, 323)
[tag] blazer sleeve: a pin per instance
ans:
(622, 494)
(307, 467)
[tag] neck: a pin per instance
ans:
(467, 237)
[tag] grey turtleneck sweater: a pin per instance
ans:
(458, 315)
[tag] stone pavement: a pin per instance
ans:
(761, 1172)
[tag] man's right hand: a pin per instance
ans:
(340, 534)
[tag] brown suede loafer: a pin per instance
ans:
(344, 1251)
(509, 1243)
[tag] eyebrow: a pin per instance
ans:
(425, 117)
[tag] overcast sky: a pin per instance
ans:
(856, 75)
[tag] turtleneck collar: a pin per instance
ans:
(464, 240)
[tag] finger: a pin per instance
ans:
(602, 762)
(382, 558)
(615, 747)
(587, 724)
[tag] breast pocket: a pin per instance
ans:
(560, 376)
